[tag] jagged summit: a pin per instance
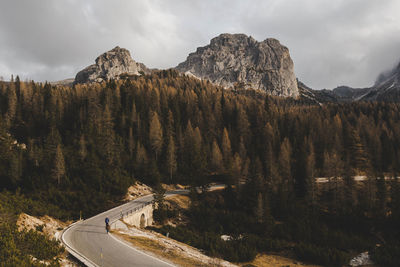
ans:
(387, 87)
(232, 59)
(110, 65)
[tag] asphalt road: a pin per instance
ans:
(90, 241)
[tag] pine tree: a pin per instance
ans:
(217, 164)
(260, 208)
(131, 142)
(171, 157)
(58, 170)
(236, 170)
(108, 145)
(155, 134)
(382, 196)
(285, 155)
(310, 186)
(11, 104)
(357, 151)
(82, 147)
(333, 167)
(226, 148)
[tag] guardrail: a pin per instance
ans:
(83, 259)
(125, 214)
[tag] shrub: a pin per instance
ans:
(387, 255)
(323, 256)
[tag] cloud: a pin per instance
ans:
(331, 42)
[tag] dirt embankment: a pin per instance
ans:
(50, 227)
(47, 225)
(137, 190)
(168, 249)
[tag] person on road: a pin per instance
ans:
(107, 224)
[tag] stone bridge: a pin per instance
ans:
(140, 217)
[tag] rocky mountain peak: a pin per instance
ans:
(110, 65)
(238, 59)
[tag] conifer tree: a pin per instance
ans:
(171, 158)
(82, 147)
(216, 158)
(131, 142)
(58, 170)
(155, 134)
(226, 147)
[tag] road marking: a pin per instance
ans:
(129, 246)
(86, 260)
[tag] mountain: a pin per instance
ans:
(311, 96)
(239, 60)
(111, 65)
(386, 88)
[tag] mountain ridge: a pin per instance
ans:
(239, 60)
(111, 65)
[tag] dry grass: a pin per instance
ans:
(179, 201)
(155, 248)
(263, 260)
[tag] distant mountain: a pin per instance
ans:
(312, 96)
(65, 82)
(239, 60)
(111, 65)
(386, 88)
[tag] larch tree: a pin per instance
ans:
(284, 162)
(131, 142)
(217, 163)
(82, 147)
(171, 157)
(226, 147)
(310, 185)
(11, 104)
(333, 166)
(155, 134)
(58, 170)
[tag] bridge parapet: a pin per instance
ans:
(140, 217)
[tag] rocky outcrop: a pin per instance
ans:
(386, 88)
(237, 59)
(111, 65)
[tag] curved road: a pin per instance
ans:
(88, 241)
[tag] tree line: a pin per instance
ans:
(80, 147)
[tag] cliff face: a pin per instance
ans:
(236, 59)
(111, 65)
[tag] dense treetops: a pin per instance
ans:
(81, 147)
(171, 128)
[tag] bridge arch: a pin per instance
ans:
(142, 221)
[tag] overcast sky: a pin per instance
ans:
(332, 42)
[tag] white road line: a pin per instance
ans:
(74, 252)
(141, 252)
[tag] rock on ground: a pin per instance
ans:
(361, 260)
(137, 190)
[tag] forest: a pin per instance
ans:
(289, 165)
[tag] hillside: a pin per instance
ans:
(83, 146)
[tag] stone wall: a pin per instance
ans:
(140, 218)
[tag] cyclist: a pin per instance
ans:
(107, 224)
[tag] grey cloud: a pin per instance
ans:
(331, 42)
